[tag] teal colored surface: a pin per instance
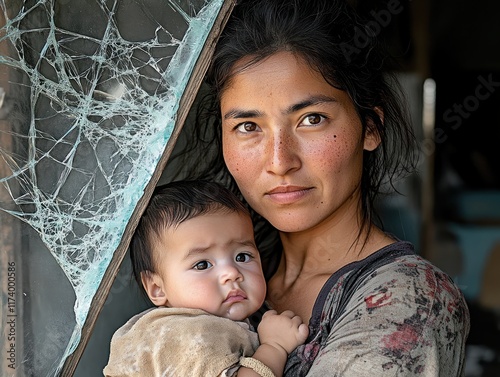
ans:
(475, 244)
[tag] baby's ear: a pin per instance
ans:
(372, 135)
(154, 287)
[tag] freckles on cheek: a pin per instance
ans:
(234, 167)
(329, 154)
(234, 170)
(230, 156)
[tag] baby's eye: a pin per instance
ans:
(202, 265)
(247, 127)
(313, 120)
(243, 257)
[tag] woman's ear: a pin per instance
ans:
(154, 287)
(372, 136)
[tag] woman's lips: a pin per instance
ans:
(287, 194)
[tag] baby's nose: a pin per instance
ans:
(231, 273)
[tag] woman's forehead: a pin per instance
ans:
(283, 79)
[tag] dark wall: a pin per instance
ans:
(465, 62)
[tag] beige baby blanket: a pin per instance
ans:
(178, 342)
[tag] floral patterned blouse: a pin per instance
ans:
(391, 314)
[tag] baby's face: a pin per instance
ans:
(210, 262)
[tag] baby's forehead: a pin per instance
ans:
(215, 209)
(171, 229)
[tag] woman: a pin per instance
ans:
(310, 127)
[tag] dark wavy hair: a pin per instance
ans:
(334, 40)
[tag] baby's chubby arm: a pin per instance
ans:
(279, 334)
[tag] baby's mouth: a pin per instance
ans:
(236, 295)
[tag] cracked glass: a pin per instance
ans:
(89, 91)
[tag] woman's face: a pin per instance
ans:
(293, 143)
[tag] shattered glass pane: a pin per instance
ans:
(89, 90)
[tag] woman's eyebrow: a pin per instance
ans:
(239, 113)
(310, 101)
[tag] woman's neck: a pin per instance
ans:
(328, 247)
(310, 258)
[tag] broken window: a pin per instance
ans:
(91, 92)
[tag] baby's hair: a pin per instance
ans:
(170, 205)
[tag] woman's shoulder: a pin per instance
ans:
(396, 277)
(398, 261)
(415, 281)
(398, 270)
(410, 273)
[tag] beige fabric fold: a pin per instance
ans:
(178, 342)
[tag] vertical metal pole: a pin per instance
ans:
(427, 195)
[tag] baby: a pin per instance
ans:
(195, 256)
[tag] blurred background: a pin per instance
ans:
(451, 208)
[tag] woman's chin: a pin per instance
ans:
(290, 223)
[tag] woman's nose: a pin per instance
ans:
(281, 154)
(230, 273)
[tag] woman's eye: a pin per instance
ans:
(313, 119)
(243, 257)
(247, 127)
(203, 265)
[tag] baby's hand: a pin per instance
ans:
(285, 330)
